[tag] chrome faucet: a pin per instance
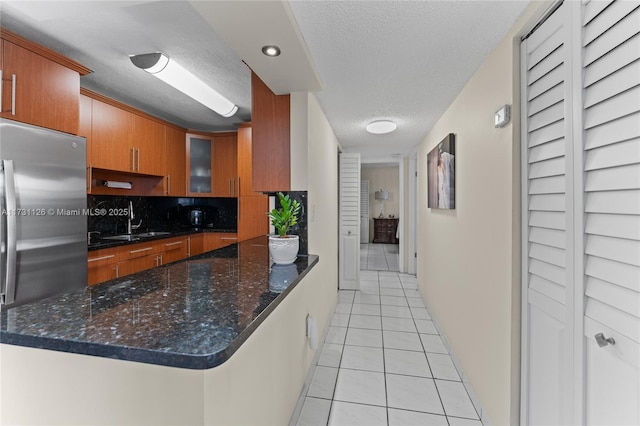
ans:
(130, 217)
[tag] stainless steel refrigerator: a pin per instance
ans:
(43, 223)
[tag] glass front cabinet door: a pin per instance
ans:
(199, 151)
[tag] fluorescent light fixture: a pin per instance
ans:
(380, 127)
(271, 50)
(176, 76)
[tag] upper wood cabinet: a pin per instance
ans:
(245, 167)
(225, 165)
(199, 162)
(111, 130)
(39, 86)
(271, 123)
(148, 145)
(175, 162)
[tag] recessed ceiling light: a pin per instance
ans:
(380, 127)
(271, 50)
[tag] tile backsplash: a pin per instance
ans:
(159, 213)
(173, 214)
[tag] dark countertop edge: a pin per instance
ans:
(106, 244)
(149, 356)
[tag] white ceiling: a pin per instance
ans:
(403, 60)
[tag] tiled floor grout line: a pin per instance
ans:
(393, 280)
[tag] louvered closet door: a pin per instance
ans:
(349, 238)
(611, 61)
(364, 212)
(547, 211)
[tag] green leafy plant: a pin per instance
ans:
(286, 216)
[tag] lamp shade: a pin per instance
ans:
(381, 195)
(172, 73)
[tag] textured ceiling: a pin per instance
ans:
(403, 60)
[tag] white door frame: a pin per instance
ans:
(412, 229)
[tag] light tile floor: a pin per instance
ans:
(379, 257)
(383, 362)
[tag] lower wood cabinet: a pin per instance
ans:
(131, 266)
(107, 264)
(102, 265)
(174, 249)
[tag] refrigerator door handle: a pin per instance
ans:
(10, 203)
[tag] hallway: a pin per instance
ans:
(379, 257)
(384, 363)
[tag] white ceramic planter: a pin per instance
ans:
(283, 251)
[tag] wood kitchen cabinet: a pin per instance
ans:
(196, 244)
(142, 263)
(173, 249)
(199, 162)
(215, 240)
(107, 264)
(245, 162)
(175, 162)
(126, 142)
(39, 86)
(148, 144)
(102, 265)
(252, 217)
(225, 165)
(252, 206)
(271, 130)
(111, 129)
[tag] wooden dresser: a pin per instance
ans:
(384, 230)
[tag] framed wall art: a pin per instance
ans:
(441, 180)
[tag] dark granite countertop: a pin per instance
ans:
(193, 314)
(98, 242)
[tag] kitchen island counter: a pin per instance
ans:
(191, 314)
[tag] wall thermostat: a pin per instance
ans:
(502, 116)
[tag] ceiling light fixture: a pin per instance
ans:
(271, 50)
(380, 127)
(176, 76)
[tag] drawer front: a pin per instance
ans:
(135, 251)
(138, 264)
(174, 249)
(102, 266)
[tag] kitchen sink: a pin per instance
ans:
(152, 234)
(124, 237)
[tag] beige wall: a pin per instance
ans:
(386, 178)
(468, 264)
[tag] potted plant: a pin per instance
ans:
(283, 248)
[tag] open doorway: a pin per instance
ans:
(380, 250)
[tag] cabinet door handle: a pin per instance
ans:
(95, 259)
(188, 246)
(173, 244)
(117, 271)
(1, 84)
(13, 94)
(140, 250)
(138, 153)
(133, 159)
(168, 184)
